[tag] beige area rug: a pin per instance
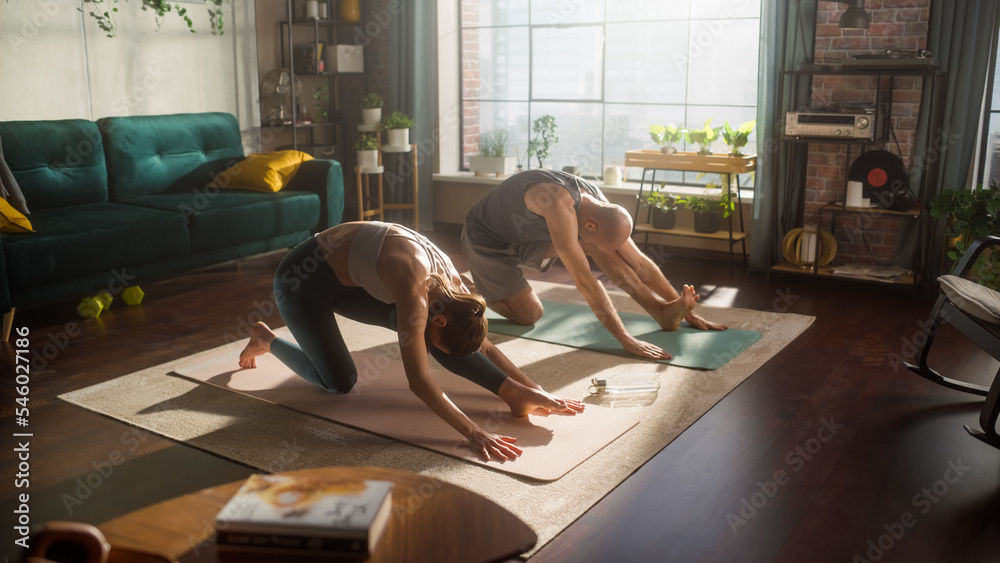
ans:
(273, 438)
(381, 402)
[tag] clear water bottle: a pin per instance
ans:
(625, 383)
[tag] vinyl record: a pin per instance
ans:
(882, 175)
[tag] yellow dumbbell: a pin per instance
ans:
(133, 295)
(90, 307)
(105, 298)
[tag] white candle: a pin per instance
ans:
(854, 194)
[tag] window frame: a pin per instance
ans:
(462, 100)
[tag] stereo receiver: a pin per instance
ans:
(861, 126)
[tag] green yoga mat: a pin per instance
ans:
(576, 326)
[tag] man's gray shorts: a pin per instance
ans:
(497, 272)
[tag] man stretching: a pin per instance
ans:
(536, 216)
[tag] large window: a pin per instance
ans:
(991, 152)
(605, 70)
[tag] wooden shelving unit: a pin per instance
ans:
(827, 272)
(324, 137)
(883, 102)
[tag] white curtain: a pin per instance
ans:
(244, 29)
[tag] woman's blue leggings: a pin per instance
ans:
(308, 294)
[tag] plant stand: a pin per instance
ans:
(722, 164)
(370, 205)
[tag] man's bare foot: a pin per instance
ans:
(524, 400)
(675, 311)
(260, 344)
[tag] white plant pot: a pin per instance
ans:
(399, 137)
(371, 116)
(367, 159)
(499, 165)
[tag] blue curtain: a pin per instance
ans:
(787, 39)
(413, 90)
(960, 38)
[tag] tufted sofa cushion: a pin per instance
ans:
(153, 154)
(99, 238)
(56, 163)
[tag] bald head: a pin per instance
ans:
(603, 224)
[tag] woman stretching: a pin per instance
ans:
(388, 275)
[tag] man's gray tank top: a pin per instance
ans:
(501, 220)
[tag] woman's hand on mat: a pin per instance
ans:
(702, 324)
(645, 349)
(493, 446)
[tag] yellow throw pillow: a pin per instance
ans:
(12, 220)
(262, 172)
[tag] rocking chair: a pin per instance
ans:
(975, 311)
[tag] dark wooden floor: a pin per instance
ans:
(830, 452)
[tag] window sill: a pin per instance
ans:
(626, 188)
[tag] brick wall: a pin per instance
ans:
(900, 24)
(470, 80)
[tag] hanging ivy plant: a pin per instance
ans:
(104, 13)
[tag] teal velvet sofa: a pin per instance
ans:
(124, 200)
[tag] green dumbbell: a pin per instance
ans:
(90, 307)
(133, 295)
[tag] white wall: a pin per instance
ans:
(56, 63)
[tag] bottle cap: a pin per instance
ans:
(598, 386)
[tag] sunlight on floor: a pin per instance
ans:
(717, 296)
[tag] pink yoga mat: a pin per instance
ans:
(382, 403)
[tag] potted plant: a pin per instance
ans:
(545, 137)
(703, 137)
(367, 147)
(972, 215)
(371, 110)
(666, 136)
(322, 97)
(708, 213)
(494, 154)
(736, 139)
(398, 125)
(665, 216)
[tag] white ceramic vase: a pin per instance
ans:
(501, 166)
(371, 116)
(399, 138)
(367, 159)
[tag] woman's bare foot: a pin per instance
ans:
(260, 344)
(675, 311)
(524, 400)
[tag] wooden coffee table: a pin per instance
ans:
(432, 521)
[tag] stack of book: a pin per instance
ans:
(285, 515)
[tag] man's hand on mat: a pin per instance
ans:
(524, 400)
(702, 324)
(645, 349)
(493, 446)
